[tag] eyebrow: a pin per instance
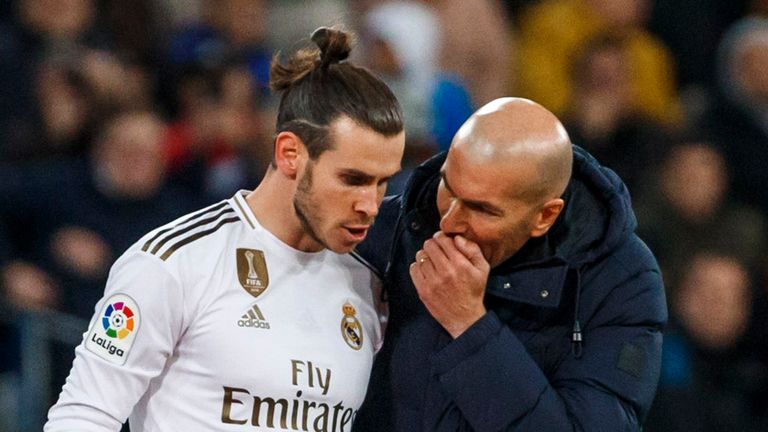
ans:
(475, 203)
(359, 174)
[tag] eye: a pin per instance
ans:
(445, 188)
(479, 208)
(353, 180)
(475, 207)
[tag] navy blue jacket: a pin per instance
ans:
(572, 336)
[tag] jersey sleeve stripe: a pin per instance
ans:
(189, 228)
(178, 245)
(195, 215)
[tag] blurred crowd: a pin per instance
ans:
(118, 116)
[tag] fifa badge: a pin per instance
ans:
(252, 271)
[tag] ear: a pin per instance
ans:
(547, 216)
(289, 152)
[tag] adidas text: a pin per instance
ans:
(253, 323)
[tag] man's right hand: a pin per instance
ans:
(450, 275)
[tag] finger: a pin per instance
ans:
(428, 267)
(446, 243)
(472, 251)
(414, 271)
(417, 276)
(421, 257)
(435, 254)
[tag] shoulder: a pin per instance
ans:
(193, 238)
(628, 286)
(632, 257)
(165, 241)
(628, 260)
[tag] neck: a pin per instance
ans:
(272, 205)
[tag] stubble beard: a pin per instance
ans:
(303, 207)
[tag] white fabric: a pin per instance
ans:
(202, 357)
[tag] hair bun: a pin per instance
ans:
(335, 45)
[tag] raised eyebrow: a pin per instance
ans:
(481, 204)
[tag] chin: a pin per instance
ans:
(343, 248)
(340, 246)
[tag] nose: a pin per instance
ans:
(368, 202)
(453, 221)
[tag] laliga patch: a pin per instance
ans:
(113, 333)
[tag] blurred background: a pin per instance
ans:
(118, 116)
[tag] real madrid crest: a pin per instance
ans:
(351, 330)
(252, 271)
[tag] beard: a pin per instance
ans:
(305, 208)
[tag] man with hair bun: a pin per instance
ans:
(254, 313)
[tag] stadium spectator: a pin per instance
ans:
(403, 46)
(710, 372)
(688, 209)
(218, 142)
(44, 32)
(553, 31)
(476, 45)
(229, 30)
(694, 52)
(602, 117)
(68, 219)
(92, 211)
(738, 121)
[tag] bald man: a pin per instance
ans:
(520, 298)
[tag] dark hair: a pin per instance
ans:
(317, 88)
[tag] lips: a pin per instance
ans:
(357, 232)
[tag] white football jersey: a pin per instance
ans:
(213, 323)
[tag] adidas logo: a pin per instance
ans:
(253, 318)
